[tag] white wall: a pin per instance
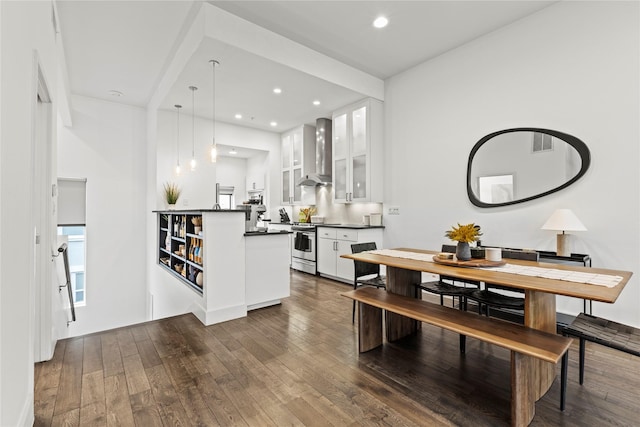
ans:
(198, 187)
(25, 29)
(340, 213)
(106, 145)
(257, 171)
(572, 67)
(233, 172)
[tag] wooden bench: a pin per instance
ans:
(526, 344)
(604, 332)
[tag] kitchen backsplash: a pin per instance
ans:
(339, 213)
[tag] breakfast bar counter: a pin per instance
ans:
(227, 270)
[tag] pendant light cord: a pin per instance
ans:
(178, 107)
(214, 153)
(193, 126)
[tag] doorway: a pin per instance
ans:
(42, 218)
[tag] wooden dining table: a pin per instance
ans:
(539, 295)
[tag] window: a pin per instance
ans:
(225, 196)
(226, 201)
(542, 142)
(76, 253)
(71, 223)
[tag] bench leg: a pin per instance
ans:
(401, 282)
(563, 379)
(522, 391)
(369, 327)
(582, 345)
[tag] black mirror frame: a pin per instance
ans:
(581, 148)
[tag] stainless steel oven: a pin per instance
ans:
(303, 250)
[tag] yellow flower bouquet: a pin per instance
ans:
(464, 233)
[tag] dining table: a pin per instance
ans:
(404, 268)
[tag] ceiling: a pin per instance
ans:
(128, 46)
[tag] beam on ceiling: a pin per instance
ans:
(228, 28)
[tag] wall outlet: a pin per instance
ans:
(185, 202)
(394, 210)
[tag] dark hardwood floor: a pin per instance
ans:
(298, 364)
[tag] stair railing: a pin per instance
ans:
(63, 250)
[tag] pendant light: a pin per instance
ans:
(178, 107)
(193, 128)
(214, 148)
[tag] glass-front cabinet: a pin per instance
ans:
(357, 152)
(339, 156)
(298, 159)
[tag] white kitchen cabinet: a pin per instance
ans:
(334, 242)
(298, 160)
(357, 152)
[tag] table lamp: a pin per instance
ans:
(563, 220)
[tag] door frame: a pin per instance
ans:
(42, 227)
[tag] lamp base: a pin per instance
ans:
(563, 246)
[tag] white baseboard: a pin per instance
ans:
(27, 416)
(212, 317)
(263, 304)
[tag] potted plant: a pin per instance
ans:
(171, 194)
(305, 214)
(464, 234)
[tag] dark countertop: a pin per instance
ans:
(196, 211)
(351, 226)
(266, 233)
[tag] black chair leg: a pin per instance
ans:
(582, 345)
(463, 344)
(563, 379)
(441, 300)
(353, 315)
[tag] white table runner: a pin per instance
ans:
(549, 273)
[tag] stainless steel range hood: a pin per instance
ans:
(323, 156)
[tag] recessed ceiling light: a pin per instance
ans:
(316, 102)
(273, 124)
(380, 22)
(238, 116)
(114, 92)
(277, 90)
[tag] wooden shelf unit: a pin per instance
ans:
(181, 232)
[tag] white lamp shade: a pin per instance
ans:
(564, 220)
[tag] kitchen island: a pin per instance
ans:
(217, 271)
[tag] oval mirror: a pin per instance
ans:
(516, 165)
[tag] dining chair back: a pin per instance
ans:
(365, 273)
(487, 299)
(449, 286)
